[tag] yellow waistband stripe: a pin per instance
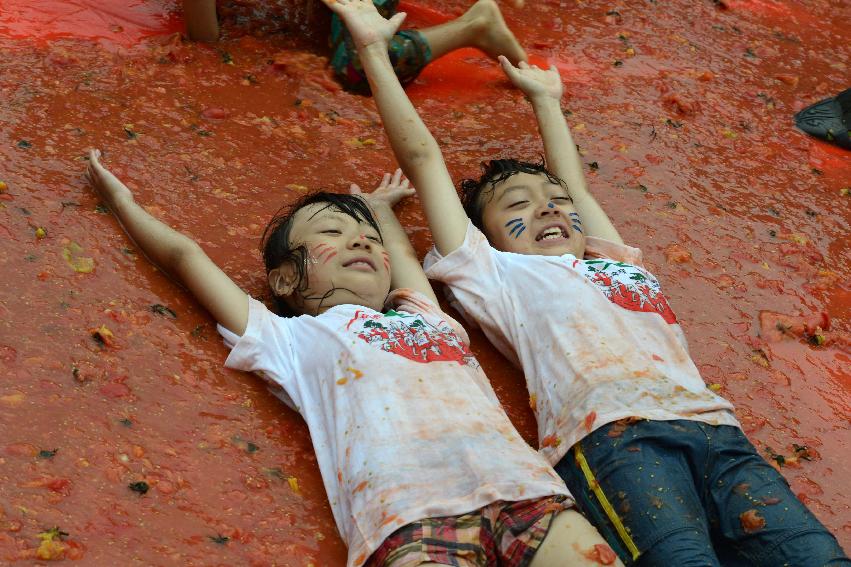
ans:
(604, 502)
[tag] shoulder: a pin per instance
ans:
(602, 248)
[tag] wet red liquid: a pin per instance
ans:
(697, 162)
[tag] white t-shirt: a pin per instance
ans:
(595, 337)
(404, 422)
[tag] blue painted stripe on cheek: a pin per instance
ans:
(512, 221)
(577, 228)
(519, 233)
(519, 226)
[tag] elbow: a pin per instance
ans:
(422, 155)
(417, 149)
(182, 254)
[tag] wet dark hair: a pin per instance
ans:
(495, 171)
(277, 247)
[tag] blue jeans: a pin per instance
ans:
(691, 494)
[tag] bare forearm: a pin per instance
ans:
(564, 161)
(405, 268)
(559, 147)
(409, 136)
(416, 150)
(164, 246)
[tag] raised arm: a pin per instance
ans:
(543, 88)
(405, 268)
(174, 253)
(414, 146)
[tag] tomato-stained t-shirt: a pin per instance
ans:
(404, 423)
(595, 337)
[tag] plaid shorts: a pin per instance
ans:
(502, 533)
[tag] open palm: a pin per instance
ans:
(364, 22)
(532, 80)
(392, 189)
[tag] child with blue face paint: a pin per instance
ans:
(656, 459)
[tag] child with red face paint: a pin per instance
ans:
(420, 462)
(656, 459)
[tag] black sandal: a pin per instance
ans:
(829, 119)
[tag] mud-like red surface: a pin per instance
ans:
(683, 113)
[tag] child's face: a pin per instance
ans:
(343, 255)
(527, 214)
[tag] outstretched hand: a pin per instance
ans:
(364, 22)
(532, 80)
(390, 191)
(109, 187)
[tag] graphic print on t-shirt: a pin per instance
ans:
(628, 286)
(412, 337)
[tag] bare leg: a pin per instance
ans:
(572, 540)
(201, 21)
(481, 26)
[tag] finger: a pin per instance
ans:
(355, 190)
(523, 65)
(397, 19)
(404, 184)
(507, 67)
(397, 175)
(385, 181)
(336, 6)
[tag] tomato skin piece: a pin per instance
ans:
(751, 521)
(215, 113)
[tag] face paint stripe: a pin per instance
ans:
(520, 232)
(520, 226)
(577, 228)
(331, 255)
(512, 221)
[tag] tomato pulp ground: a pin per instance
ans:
(125, 441)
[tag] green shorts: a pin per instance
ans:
(409, 52)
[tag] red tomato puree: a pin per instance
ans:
(119, 426)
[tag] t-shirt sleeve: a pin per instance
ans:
(265, 348)
(602, 248)
(475, 275)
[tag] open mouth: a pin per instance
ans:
(555, 232)
(362, 264)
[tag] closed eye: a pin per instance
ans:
(562, 199)
(331, 231)
(517, 203)
(374, 239)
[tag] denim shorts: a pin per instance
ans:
(685, 493)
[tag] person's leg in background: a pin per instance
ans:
(482, 27)
(202, 23)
